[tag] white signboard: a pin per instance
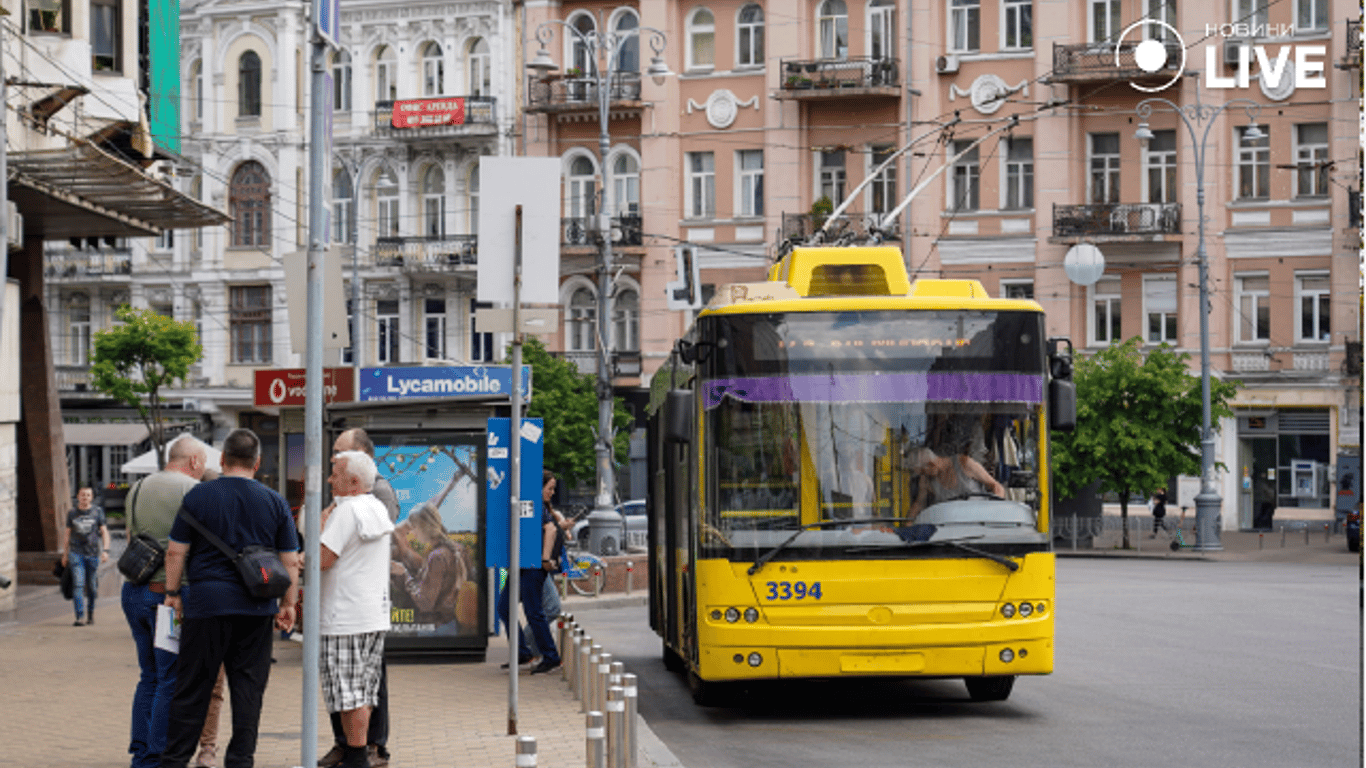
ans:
(336, 327)
(534, 184)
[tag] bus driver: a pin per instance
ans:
(946, 479)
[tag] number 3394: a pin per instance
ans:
(793, 590)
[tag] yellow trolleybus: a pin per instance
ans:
(849, 477)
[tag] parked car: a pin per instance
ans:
(635, 523)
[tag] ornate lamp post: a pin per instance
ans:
(1208, 502)
(604, 55)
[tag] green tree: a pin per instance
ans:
(135, 360)
(567, 400)
(1138, 422)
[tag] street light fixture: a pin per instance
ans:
(1207, 502)
(604, 518)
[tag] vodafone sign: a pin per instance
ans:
(285, 386)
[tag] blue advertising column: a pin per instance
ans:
(497, 486)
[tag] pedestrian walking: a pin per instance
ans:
(222, 623)
(354, 600)
(531, 583)
(152, 506)
(1159, 510)
(85, 544)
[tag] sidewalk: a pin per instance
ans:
(1238, 546)
(69, 692)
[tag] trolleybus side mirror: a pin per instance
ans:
(679, 418)
(1062, 405)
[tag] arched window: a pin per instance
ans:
(249, 85)
(386, 74)
(583, 313)
(626, 185)
(579, 54)
(434, 202)
(626, 320)
(197, 90)
(341, 82)
(478, 66)
(701, 39)
(833, 26)
(629, 58)
(473, 186)
(343, 215)
(750, 36)
(882, 29)
(433, 70)
(583, 188)
(249, 203)
(386, 203)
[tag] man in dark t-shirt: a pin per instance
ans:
(222, 624)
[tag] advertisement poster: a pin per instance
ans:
(436, 569)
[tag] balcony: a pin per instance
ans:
(1097, 62)
(437, 117)
(585, 360)
(860, 76)
(1351, 57)
(857, 227)
(573, 94)
(581, 231)
(446, 253)
(625, 362)
(1115, 221)
(74, 378)
(76, 264)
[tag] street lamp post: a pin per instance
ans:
(609, 45)
(1208, 502)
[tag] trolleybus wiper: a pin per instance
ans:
(769, 555)
(959, 545)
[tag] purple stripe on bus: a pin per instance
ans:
(879, 388)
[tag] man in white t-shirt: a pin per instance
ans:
(354, 615)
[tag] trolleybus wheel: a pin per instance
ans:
(990, 688)
(705, 694)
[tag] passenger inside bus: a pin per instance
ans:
(947, 478)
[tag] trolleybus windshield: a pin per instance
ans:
(924, 425)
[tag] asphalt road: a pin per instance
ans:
(1159, 663)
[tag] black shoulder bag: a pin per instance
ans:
(144, 555)
(260, 568)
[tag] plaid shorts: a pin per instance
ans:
(349, 667)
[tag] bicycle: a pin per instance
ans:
(584, 571)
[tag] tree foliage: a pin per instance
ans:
(567, 400)
(1138, 422)
(135, 360)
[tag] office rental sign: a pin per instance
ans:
(440, 381)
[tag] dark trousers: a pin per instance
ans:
(241, 645)
(531, 585)
(379, 717)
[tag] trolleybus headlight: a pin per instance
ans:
(751, 614)
(1025, 610)
(1040, 608)
(732, 615)
(716, 614)
(1007, 655)
(1008, 610)
(755, 659)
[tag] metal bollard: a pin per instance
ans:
(618, 669)
(1074, 533)
(1327, 534)
(1306, 535)
(630, 567)
(616, 713)
(631, 692)
(1282, 537)
(587, 663)
(597, 580)
(570, 655)
(526, 752)
(604, 669)
(1260, 536)
(595, 736)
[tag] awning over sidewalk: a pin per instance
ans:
(105, 434)
(146, 463)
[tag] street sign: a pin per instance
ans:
(284, 387)
(498, 487)
(440, 381)
(328, 24)
(539, 321)
(336, 325)
(534, 184)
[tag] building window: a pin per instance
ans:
(434, 202)
(343, 215)
(481, 343)
(701, 185)
(341, 82)
(750, 36)
(832, 23)
(830, 183)
(583, 189)
(1019, 24)
(348, 351)
(1313, 291)
(1159, 306)
(1104, 177)
(197, 89)
(79, 351)
(249, 202)
(628, 60)
(1017, 289)
(386, 203)
(249, 323)
(882, 192)
(165, 241)
(882, 30)
(49, 16)
(386, 74)
(472, 222)
(1020, 173)
(701, 39)
(197, 192)
(579, 53)
(965, 22)
(966, 192)
(1251, 12)
(626, 185)
(1311, 159)
(1254, 307)
(104, 35)
(1105, 327)
(751, 178)
(434, 328)
(626, 320)
(481, 74)
(1160, 10)
(1311, 15)
(1254, 164)
(1104, 20)
(1161, 163)
(387, 338)
(249, 85)
(582, 321)
(433, 70)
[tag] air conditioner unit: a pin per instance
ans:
(189, 404)
(1232, 48)
(14, 226)
(946, 64)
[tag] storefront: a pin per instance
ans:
(1285, 465)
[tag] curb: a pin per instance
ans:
(581, 603)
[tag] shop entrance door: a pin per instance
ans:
(1257, 496)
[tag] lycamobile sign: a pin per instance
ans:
(440, 381)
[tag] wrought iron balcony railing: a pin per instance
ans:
(859, 227)
(435, 115)
(580, 230)
(78, 263)
(1086, 62)
(445, 253)
(570, 92)
(1351, 57)
(837, 74)
(1118, 219)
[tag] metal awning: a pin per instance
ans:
(83, 191)
(104, 434)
